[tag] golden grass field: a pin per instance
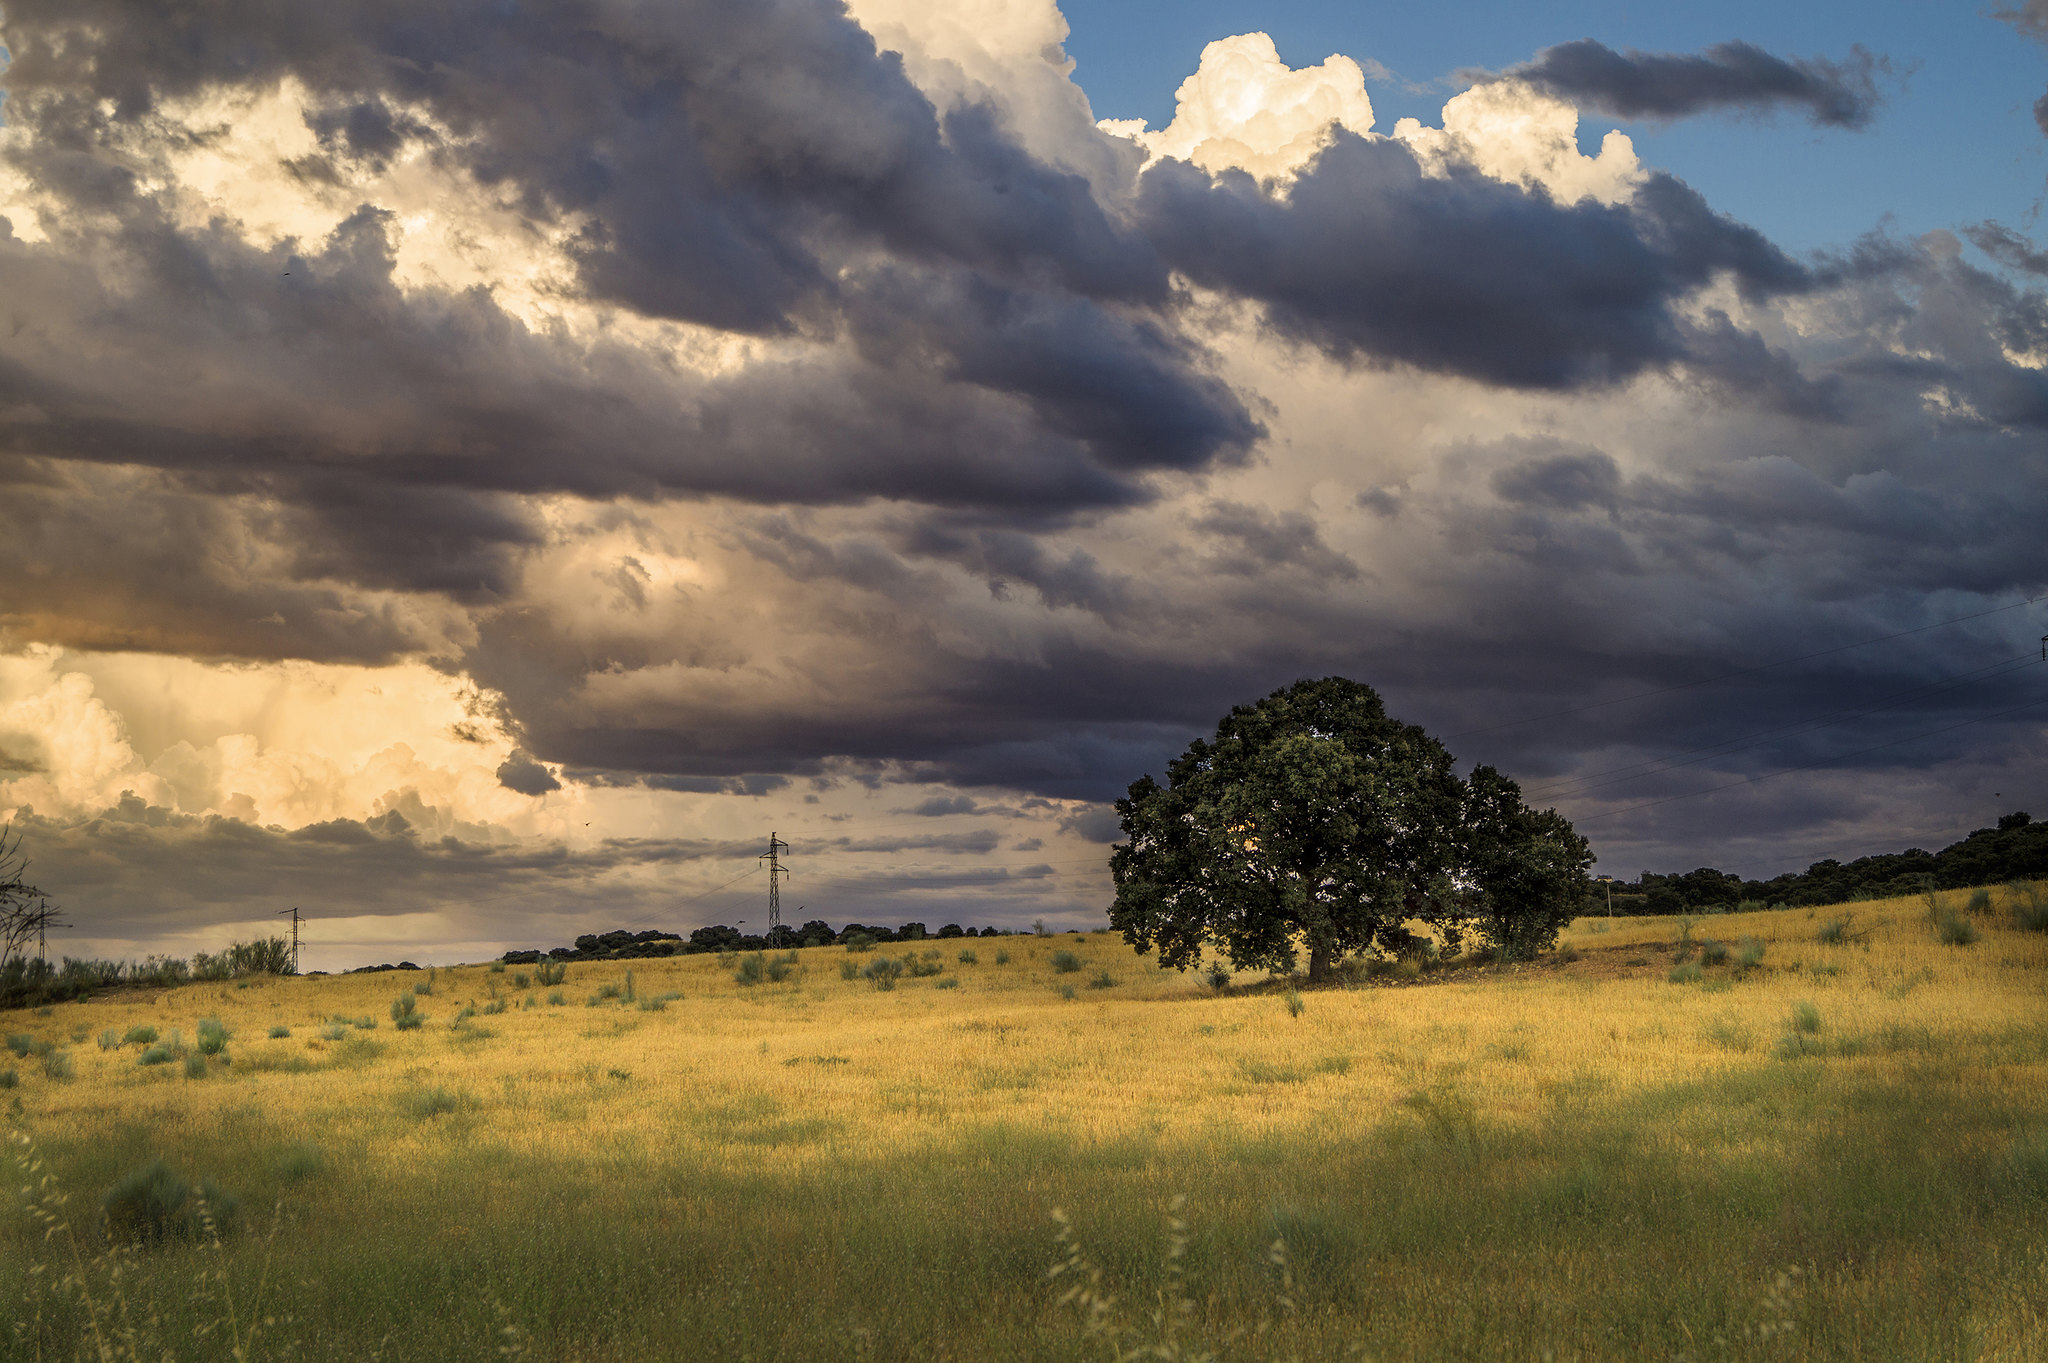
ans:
(1575, 1158)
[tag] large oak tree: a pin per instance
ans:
(1314, 816)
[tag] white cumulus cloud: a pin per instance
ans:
(1246, 109)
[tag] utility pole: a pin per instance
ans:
(776, 870)
(294, 912)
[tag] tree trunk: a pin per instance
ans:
(1321, 958)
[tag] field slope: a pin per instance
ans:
(1837, 1150)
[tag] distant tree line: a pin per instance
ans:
(26, 981)
(2017, 849)
(620, 945)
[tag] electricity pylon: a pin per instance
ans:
(776, 870)
(294, 912)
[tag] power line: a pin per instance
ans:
(1742, 671)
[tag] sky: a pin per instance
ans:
(476, 469)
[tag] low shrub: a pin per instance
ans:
(1294, 1004)
(1002, 956)
(1714, 953)
(1065, 962)
(521, 980)
(849, 970)
(110, 1039)
(57, 1065)
(1218, 976)
(753, 969)
(213, 1036)
(1067, 991)
(1684, 945)
(495, 1007)
(1980, 901)
(1954, 930)
(1802, 1035)
(968, 957)
(141, 1034)
(1796, 1046)
(147, 1206)
(1836, 931)
(1751, 953)
(497, 967)
(1751, 906)
(463, 1014)
(882, 972)
(21, 1044)
(405, 1012)
(859, 941)
(9, 1078)
(333, 1031)
(555, 999)
(547, 973)
(1685, 973)
(300, 1160)
(279, 1032)
(1103, 980)
(780, 965)
(195, 1066)
(425, 1104)
(919, 967)
(2031, 914)
(948, 983)
(155, 1055)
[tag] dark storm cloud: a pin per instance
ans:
(754, 168)
(2008, 247)
(1370, 260)
(521, 773)
(977, 842)
(234, 449)
(938, 806)
(1257, 540)
(1567, 481)
(1733, 75)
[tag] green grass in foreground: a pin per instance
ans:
(1781, 1212)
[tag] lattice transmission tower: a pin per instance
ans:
(776, 870)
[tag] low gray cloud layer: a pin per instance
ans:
(1732, 75)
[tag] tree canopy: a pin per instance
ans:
(1313, 815)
